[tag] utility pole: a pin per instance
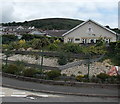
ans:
(41, 59)
(41, 66)
(88, 67)
(7, 53)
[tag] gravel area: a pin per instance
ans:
(32, 60)
(95, 68)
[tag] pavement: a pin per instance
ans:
(57, 89)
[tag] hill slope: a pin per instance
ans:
(49, 23)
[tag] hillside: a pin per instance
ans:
(49, 23)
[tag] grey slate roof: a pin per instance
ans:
(55, 33)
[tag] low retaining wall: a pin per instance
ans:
(34, 65)
(66, 83)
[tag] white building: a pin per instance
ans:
(89, 32)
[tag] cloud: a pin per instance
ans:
(98, 10)
(8, 12)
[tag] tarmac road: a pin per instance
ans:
(60, 97)
(58, 88)
(15, 95)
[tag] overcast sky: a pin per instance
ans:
(104, 12)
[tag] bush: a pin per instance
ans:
(12, 69)
(95, 79)
(6, 39)
(21, 66)
(39, 43)
(79, 77)
(4, 68)
(53, 74)
(72, 47)
(103, 76)
(62, 59)
(30, 72)
(112, 46)
(53, 47)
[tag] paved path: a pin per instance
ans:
(78, 63)
(58, 88)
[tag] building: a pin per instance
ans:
(37, 32)
(16, 30)
(89, 32)
(55, 33)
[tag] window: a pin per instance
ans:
(92, 41)
(93, 34)
(89, 29)
(84, 40)
(77, 39)
(107, 40)
(70, 39)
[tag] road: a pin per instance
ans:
(15, 95)
(58, 88)
(19, 95)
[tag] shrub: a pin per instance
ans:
(79, 77)
(39, 43)
(69, 58)
(62, 60)
(12, 69)
(5, 46)
(30, 72)
(6, 39)
(95, 79)
(56, 41)
(21, 66)
(4, 68)
(53, 47)
(72, 47)
(103, 76)
(112, 46)
(53, 74)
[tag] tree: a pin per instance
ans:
(40, 43)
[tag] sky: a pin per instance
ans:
(104, 12)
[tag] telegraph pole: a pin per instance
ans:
(41, 66)
(88, 67)
(41, 59)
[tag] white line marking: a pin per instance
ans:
(2, 95)
(43, 95)
(18, 95)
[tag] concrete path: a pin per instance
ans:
(78, 63)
